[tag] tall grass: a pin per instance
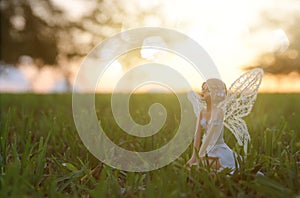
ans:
(42, 154)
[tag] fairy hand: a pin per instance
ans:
(192, 161)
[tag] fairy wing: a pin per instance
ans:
(196, 101)
(238, 104)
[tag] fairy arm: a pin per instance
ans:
(197, 139)
(213, 131)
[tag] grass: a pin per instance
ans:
(42, 154)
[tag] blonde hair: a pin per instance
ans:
(217, 89)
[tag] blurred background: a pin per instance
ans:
(43, 42)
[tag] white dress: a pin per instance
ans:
(220, 149)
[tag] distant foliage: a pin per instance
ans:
(45, 32)
(287, 61)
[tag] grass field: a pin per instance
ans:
(42, 154)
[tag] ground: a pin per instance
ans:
(42, 154)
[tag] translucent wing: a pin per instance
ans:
(196, 101)
(238, 104)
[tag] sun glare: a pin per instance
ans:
(224, 30)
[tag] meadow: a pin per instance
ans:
(43, 156)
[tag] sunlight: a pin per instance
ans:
(226, 30)
(223, 29)
(110, 78)
(281, 84)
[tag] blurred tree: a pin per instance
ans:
(289, 60)
(26, 30)
(43, 31)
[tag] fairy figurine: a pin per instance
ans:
(216, 107)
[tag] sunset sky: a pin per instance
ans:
(231, 31)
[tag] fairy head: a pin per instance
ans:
(214, 89)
